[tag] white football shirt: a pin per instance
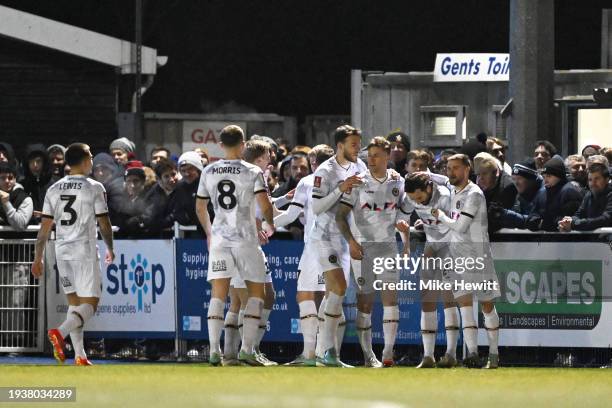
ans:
(73, 203)
(231, 186)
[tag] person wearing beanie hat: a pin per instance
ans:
(557, 199)
(527, 182)
(191, 158)
(16, 207)
(400, 146)
(56, 158)
(182, 207)
(36, 178)
(121, 149)
(111, 175)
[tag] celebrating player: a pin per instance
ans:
(469, 239)
(335, 176)
(234, 186)
(422, 195)
(310, 284)
(75, 203)
(374, 205)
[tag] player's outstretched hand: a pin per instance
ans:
(418, 224)
(355, 250)
(394, 174)
(263, 237)
(349, 183)
(402, 226)
(37, 268)
(110, 256)
(290, 194)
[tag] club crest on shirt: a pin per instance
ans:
(361, 281)
(458, 204)
(395, 191)
(317, 181)
(333, 259)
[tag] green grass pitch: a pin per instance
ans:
(187, 385)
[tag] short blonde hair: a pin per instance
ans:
(254, 149)
(485, 161)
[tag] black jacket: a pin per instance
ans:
(552, 204)
(158, 216)
(594, 212)
(36, 186)
(502, 195)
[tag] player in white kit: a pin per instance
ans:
(234, 186)
(334, 177)
(75, 203)
(256, 152)
(310, 284)
(469, 238)
(422, 195)
(374, 205)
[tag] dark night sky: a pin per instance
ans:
(294, 57)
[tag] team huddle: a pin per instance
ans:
(351, 212)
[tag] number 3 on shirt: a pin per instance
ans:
(68, 209)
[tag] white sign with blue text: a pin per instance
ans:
(472, 67)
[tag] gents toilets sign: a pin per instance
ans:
(472, 67)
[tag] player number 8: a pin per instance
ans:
(226, 190)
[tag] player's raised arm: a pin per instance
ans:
(466, 217)
(266, 208)
(46, 224)
(296, 207)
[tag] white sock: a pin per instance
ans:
(76, 318)
(215, 324)
(240, 322)
(76, 337)
(363, 324)
(252, 316)
(470, 329)
(429, 324)
(451, 322)
(263, 325)
(321, 317)
(309, 322)
(491, 322)
(390, 324)
(340, 333)
(333, 313)
(230, 351)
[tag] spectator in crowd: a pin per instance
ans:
(284, 170)
(183, 205)
(121, 149)
(497, 148)
(7, 153)
(158, 153)
(576, 166)
(544, 151)
(597, 158)
(497, 186)
(130, 219)
(417, 160)
(150, 178)
(590, 150)
(106, 171)
(298, 168)
(16, 207)
(528, 183)
(607, 152)
(475, 146)
(157, 215)
(283, 148)
(300, 149)
(400, 146)
(596, 208)
(440, 163)
(56, 158)
(37, 174)
(557, 200)
(203, 155)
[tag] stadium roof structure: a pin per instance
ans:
(78, 41)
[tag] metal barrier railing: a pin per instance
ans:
(22, 298)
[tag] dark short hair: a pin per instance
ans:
(415, 182)
(601, 169)
(380, 142)
(163, 166)
(549, 146)
(463, 158)
(160, 149)
(344, 131)
(231, 135)
(299, 155)
(321, 153)
(76, 153)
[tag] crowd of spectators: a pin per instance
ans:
(146, 196)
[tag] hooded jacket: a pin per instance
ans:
(552, 204)
(36, 186)
(594, 212)
(18, 211)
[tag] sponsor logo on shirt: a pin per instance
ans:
(219, 266)
(317, 181)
